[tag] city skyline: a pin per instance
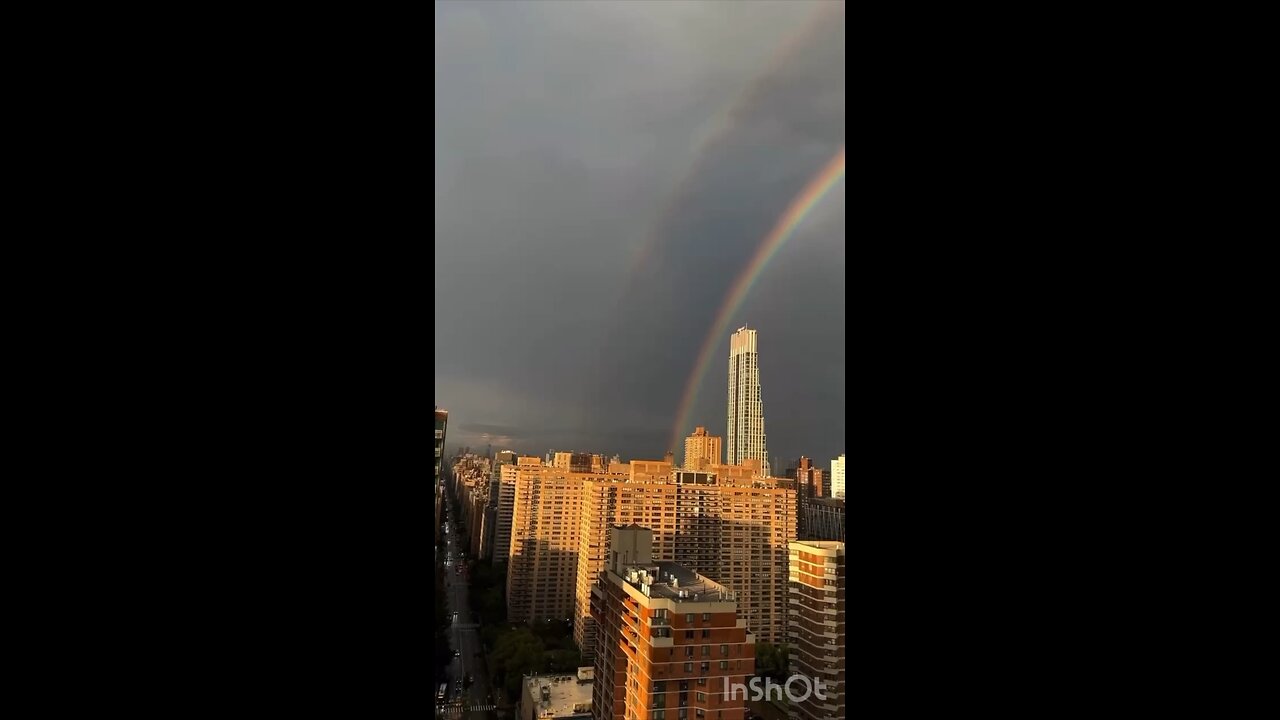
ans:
(606, 177)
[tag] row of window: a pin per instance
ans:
(706, 649)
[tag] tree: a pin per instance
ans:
(772, 661)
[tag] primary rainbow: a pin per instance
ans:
(796, 212)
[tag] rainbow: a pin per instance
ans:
(795, 213)
(823, 15)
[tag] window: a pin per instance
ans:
(688, 634)
(688, 651)
(706, 633)
(702, 681)
(724, 664)
(724, 650)
(706, 651)
(688, 667)
(706, 617)
(688, 617)
(702, 697)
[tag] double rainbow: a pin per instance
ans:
(818, 187)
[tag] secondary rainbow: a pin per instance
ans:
(818, 187)
(823, 15)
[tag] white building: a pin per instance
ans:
(745, 436)
(837, 478)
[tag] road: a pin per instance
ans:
(464, 637)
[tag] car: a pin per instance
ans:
(456, 653)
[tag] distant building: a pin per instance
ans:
(808, 478)
(824, 519)
(808, 485)
(442, 421)
(837, 477)
(671, 641)
(817, 628)
(701, 450)
(747, 469)
(557, 697)
(745, 436)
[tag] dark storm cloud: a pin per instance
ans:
(562, 128)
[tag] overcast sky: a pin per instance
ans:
(604, 172)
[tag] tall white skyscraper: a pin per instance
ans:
(837, 477)
(745, 437)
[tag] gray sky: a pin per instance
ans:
(604, 172)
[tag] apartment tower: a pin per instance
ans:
(733, 530)
(670, 639)
(745, 436)
(701, 450)
(817, 626)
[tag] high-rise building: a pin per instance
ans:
(837, 477)
(507, 505)
(734, 530)
(817, 626)
(745, 436)
(442, 421)
(546, 521)
(670, 638)
(701, 450)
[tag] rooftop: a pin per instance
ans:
(673, 581)
(566, 694)
(831, 548)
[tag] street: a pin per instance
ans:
(476, 700)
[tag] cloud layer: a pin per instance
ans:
(604, 171)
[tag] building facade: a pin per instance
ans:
(745, 436)
(670, 640)
(817, 627)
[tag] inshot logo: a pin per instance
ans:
(798, 688)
